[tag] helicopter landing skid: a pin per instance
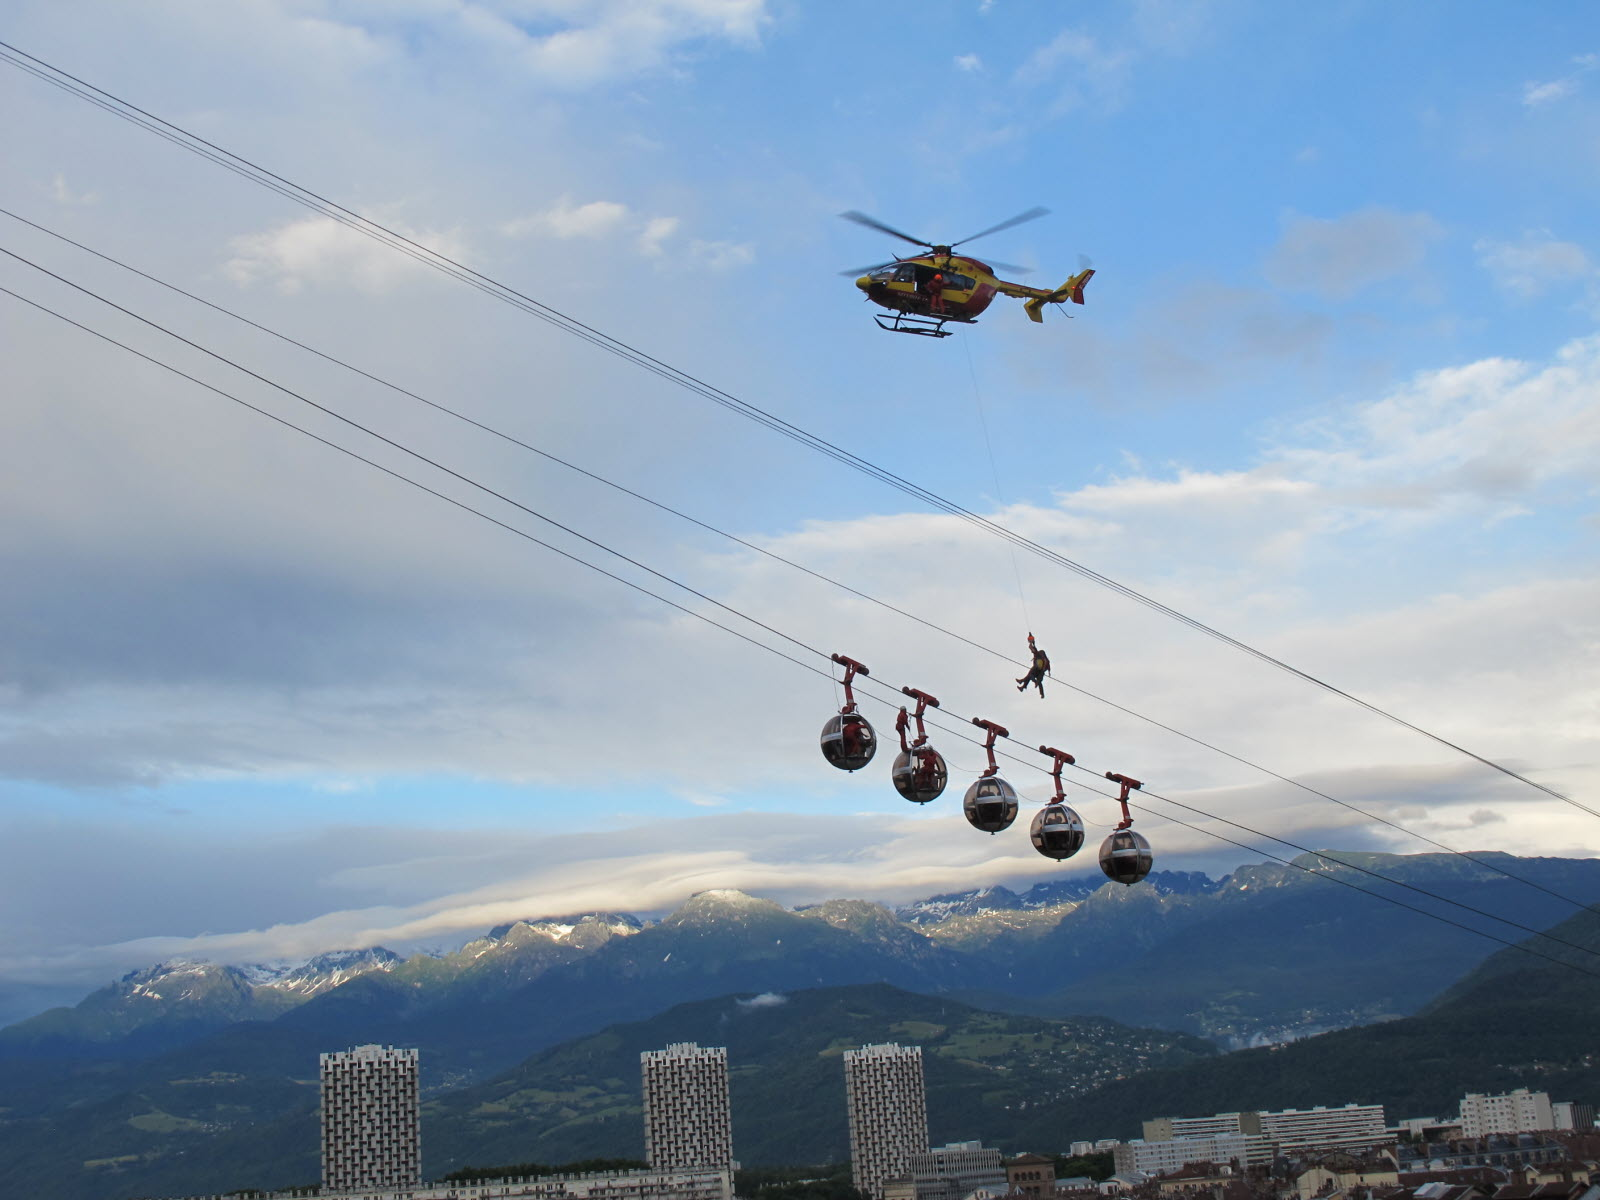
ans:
(922, 326)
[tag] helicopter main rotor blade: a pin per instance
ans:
(1008, 268)
(873, 223)
(1031, 215)
(873, 267)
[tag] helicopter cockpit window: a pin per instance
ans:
(905, 273)
(882, 274)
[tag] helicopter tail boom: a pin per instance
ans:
(1072, 290)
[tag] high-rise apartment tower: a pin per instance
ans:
(687, 1125)
(371, 1127)
(888, 1113)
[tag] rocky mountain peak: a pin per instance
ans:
(722, 906)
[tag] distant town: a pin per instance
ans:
(1519, 1145)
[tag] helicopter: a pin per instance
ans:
(926, 291)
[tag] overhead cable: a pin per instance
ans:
(798, 643)
(548, 456)
(127, 111)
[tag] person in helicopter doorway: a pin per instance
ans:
(936, 292)
(1036, 673)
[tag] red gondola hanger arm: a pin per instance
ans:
(924, 703)
(994, 731)
(1127, 785)
(852, 668)
(1062, 759)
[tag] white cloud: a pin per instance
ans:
(1338, 257)
(969, 62)
(1080, 69)
(1536, 94)
(1252, 551)
(569, 44)
(320, 252)
(1537, 262)
(565, 219)
(473, 882)
(609, 219)
(1481, 433)
(765, 1000)
(656, 231)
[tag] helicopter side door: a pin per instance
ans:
(897, 277)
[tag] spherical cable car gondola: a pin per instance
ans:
(991, 803)
(919, 773)
(1057, 831)
(848, 739)
(1125, 856)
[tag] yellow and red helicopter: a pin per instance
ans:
(926, 291)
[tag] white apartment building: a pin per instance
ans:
(888, 1113)
(613, 1185)
(1520, 1111)
(1164, 1129)
(957, 1170)
(1173, 1154)
(371, 1125)
(687, 1121)
(1349, 1128)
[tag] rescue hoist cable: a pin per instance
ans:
(994, 470)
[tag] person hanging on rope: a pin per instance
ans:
(1036, 673)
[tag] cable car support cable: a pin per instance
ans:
(993, 730)
(512, 439)
(175, 134)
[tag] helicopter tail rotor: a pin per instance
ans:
(1072, 290)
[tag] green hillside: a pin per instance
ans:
(983, 1070)
(1516, 1021)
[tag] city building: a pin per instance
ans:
(956, 1171)
(1520, 1111)
(609, 1185)
(1342, 1172)
(1352, 1127)
(1173, 1154)
(1165, 1129)
(1032, 1174)
(1428, 1129)
(888, 1113)
(687, 1122)
(1571, 1115)
(371, 1125)
(1503, 1150)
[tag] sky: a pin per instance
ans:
(1335, 392)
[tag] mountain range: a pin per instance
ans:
(148, 1081)
(1220, 947)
